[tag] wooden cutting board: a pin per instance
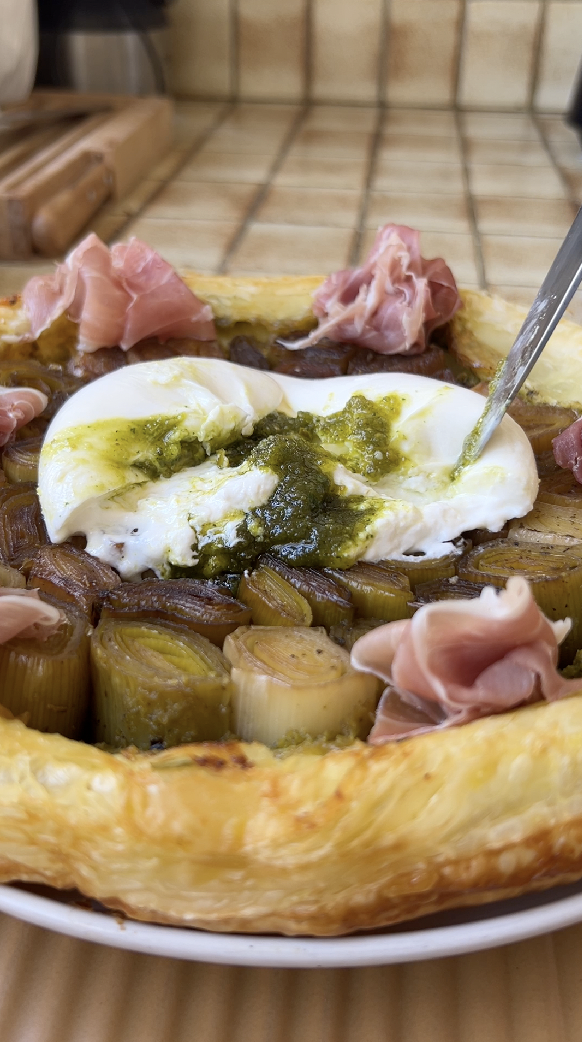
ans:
(49, 192)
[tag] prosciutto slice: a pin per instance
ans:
(18, 406)
(392, 303)
(456, 661)
(568, 449)
(23, 614)
(117, 297)
(161, 304)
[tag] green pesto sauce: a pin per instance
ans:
(159, 446)
(468, 451)
(305, 521)
(156, 447)
(308, 520)
(358, 436)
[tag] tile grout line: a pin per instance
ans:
(537, 55)
(372, 159)
(308, 52)
(384, 54)
(187, 156)
(355, 105)
(461, 38)
(263, 189)
(234, 48)
(536, 120)
(475, 234)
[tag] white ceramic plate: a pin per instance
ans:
(451, 933)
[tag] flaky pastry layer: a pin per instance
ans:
(483, 331)
(237, 838)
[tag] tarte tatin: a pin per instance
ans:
(325, 825)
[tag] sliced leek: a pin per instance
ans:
(22, 528)
(346, 634)
(477, 536)
(64, 573)
(556, 516)
(202, 607)
(156, 685)
(541, 423)
(20, 460)
(560, 489)
(425, 569)
(429, 363)
(11, 577)
(546, 464)
(52, 380)
(330, 602)
(272, 600)
(377, 592)
(551, 519)
(47, 681)
(555, 574)
(290, 683)
(453, 589)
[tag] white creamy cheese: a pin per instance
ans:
(135, 521)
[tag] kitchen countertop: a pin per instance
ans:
(281, 189)
(289, 190)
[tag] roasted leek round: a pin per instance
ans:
(22, 528)
(46, 682)
(555, 574)
(155, 685)
(330, 602)
(419, 569)
(64, 573)
(295, 683)
(191, 603)
(377, 592)
(20, 460)
(273, 601)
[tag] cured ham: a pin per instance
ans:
(117, 296)
(392, 303)
(23, 614)
(18, 406)
(161, 304)
(456, 661)
(84, 288)
(568, 449)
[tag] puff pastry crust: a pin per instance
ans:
(485, 328)
(235, 838)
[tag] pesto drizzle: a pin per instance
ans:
(308, 520)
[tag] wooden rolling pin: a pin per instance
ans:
(58, 221)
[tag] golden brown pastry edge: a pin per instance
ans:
(235, 838)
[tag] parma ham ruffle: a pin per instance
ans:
(23, 614)
(392, 303)
(18, 406)
(568, 449)
(456, 661)
(118, 296)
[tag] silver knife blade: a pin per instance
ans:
(552, 299)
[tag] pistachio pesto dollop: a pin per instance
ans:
(197, 466)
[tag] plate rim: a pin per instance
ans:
(290, 952)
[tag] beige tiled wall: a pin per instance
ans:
(490, 54)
